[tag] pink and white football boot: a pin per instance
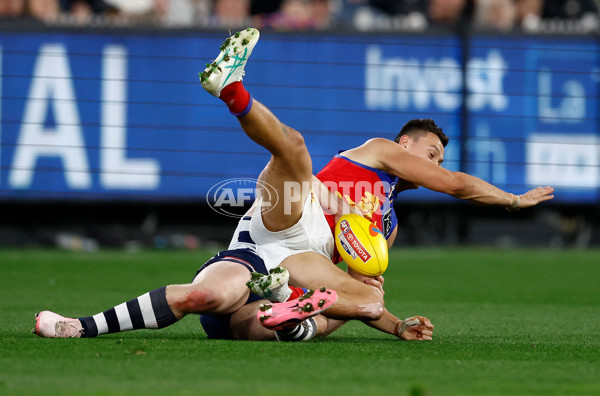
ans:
(279, 316)
(51, 325)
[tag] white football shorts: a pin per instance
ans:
(310, 234)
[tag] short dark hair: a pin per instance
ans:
(417, 128)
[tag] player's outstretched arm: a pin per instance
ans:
(420, 171)
(471, 188)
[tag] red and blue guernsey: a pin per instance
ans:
(369, 189)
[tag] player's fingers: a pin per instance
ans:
(543, 191)
(425, 322)
(422, 336)
(537, 199)
(375, 283)
(372, 282)
(427, 333)
(538, 191)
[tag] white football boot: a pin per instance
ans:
(51, 325)
(273, 287)
(229, 66)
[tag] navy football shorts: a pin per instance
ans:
(217, 326)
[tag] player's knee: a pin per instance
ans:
(296, 137)
(297, 144)
(200, 301)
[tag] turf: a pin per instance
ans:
(507, 323)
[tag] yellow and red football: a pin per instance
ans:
(361, 245)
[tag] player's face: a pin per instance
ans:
(427, 146)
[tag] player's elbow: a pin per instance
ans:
(373, 308)
(375, 311)
(370, 312)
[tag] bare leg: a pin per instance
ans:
(290, 163)
(218, 289)
(290, 160)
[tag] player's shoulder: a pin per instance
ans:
(370, 152)
(374, 145)
(381, 153)
(380, 146)
(378, 142)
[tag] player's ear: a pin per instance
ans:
(404, 139)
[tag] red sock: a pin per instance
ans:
(237, 99)
(296, 292)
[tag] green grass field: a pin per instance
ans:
(523, 322)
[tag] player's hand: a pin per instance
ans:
(535, 196)
(376, 282)
(416, 328)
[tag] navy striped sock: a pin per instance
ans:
(148, 311)
(305, 331)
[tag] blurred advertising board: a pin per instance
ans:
(109, 116)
